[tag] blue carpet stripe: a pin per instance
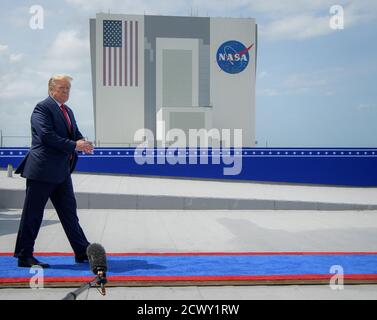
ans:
(267, 265)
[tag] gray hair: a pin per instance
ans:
(51, 82)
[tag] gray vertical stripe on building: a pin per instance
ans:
(167, 27)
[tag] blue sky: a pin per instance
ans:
(316, 87)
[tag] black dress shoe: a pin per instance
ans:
(30, 262)
(82, 258)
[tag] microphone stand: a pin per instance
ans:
(100, 280)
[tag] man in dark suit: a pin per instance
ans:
(47, 168)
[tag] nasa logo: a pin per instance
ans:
(233, 57)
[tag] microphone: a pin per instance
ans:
(98, 264)
(97, 258)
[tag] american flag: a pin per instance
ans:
(120, 53)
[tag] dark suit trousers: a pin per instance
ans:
(63, 199)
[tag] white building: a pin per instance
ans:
(165, 72)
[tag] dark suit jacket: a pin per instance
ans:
(52, 156)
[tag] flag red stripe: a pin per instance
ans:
(104, 66)
(136, 53)
(131, 53)
(109, 66)
(120, 66)
(115, 66)
(125, 54)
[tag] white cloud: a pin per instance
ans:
(360, 12)
(3, 48)
(278, 20)
(267, 92)
(23, 76)
(92, 4)
(316, 82)
(16, 57)
(18, 17)
(365, 106)
(290, 7)
(21, 88)
(262, 74)
(311, 18)
(320, 82)
(129, 6)
(306, 81)
(8, 56)
(13, 76)
(296, 28)
(23, 83)
(68, 53)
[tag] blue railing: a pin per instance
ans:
(328, 166)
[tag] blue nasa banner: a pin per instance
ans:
(233, 56)
(329, 166)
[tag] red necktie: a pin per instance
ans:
(62, 107)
